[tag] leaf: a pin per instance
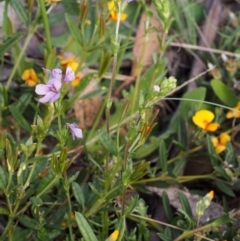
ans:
(107, 142)
(78, 193)
(3, 179)
(223, 92)
(4, 211)
(167, 207)
(9, 43)
(197, 94)
(22, 235)
(20, 11)
(46, 181)
(185, 204)
(28, 222)
(163, 156)
(225, 188)
(19, 118)
(84, 228)
(132, 205)
(75, 31)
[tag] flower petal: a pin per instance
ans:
(57, 84)
(47, 97)
(202, 118)
(55, 97)
(42, 89)
(224, 138)
(212, 127)
(220, 148)
(215, 141)
(57, 74)
(70, 76)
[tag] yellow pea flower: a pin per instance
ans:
(77, 80)
(234, 113)
(221, 142)
(30, 77)
(113, 12)
(70, 62)
(113, 236)
(203, 119)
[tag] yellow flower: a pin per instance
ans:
(30, 77)
(210, 194)
(221, 142)
(77, 79)
(203, 119)
(113, 12)
(234, 113)
(113, 236)
(70, 62)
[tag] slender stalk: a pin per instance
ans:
(17, 62)
(114, 68)
(124, 169)
(46, 25)
(69, 207)
(140, 64)
(33, 167)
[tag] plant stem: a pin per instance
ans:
(17, 62)
(114, 68)
(69, 207)
(46, 25)
(140, 64)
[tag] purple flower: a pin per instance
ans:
(55, 73)
(75, 131)
(69, 76)
(51, 90)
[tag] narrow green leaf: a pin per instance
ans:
(185, 204)
(78, 193)
(22, 235)
(85, 228)
(225, 188)
(223, 173)
(3, 179)
(107, 142)
(19, 118)
(4, 211)
(163, 156)
(20, 11)
(186, 105)
(74, 29)
(28, 222)
(214, 158)
(46, 181)
(167, 207)
(132, 205)
(224, 93)
(9, 43)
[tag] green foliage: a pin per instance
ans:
(78, 167)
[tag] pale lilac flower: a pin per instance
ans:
(69, 76)
(75, 131)
(55, 73)
(156, 88)
(51, 90)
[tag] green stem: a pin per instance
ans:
(180, 179)
(6, 229)
(140, 64)
(56, 178)
(69, 207)
(46, 25)
(33, 167)
(17, 62)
